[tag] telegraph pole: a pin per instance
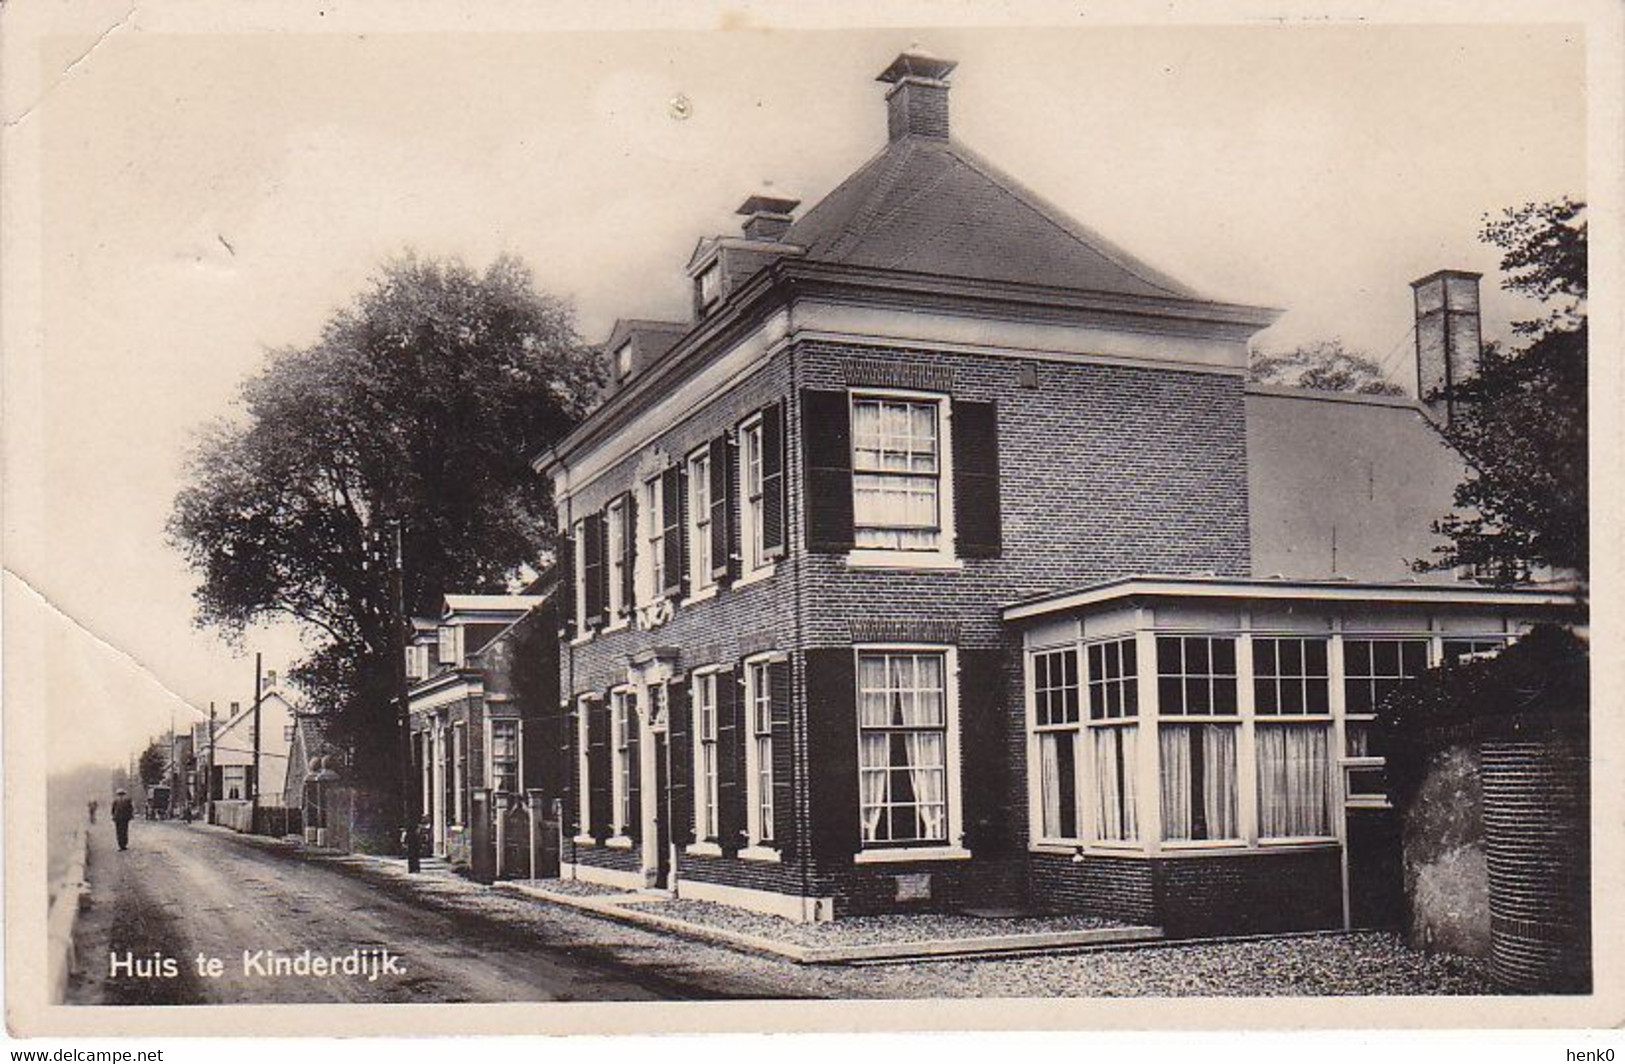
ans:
(254, 773)
(398, 625)
(208, 783)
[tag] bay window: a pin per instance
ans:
(1292, 706)
(1114, 707)
(699, 520)
(705, 757)
(897, 473)
(903, 746)
(1056, 718)
(1196, 696)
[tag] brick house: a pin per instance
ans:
(483, 682)
(881, 566)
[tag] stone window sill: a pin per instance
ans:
(916, 853)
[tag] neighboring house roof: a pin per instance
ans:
(1343, 485)
(931, 205)
(487, 603)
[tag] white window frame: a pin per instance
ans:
(752, 564)
(758, 695)
(953, 847)
(518, 753)
(583, 771)
(706, 794)
(459, 772)
(708, 284)
(944, 556)
(622, 719)
(1239, 722)
(615, 563)
(1035, 732)
(449, 645)
(1327, 721)
(578, 536)
(700, 582)
(623, 361)
(652, 570)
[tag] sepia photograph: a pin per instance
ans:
(845, 510)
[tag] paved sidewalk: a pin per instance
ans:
(911, 937)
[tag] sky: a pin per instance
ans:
(206, 198)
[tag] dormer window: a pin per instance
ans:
(710, 283)
(623, 361)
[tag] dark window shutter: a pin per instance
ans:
(984, 742)
(565, 567)
(719, 508)
(976, 478)
(784, 813)
(730, 763)
(629, 552)
(633, 828)
(680, 770)
(569, 807)
(826, 435)
(773, 509)
(736, 545)
(592, 551)
(671, 522)
(598, 768)
(832, 746)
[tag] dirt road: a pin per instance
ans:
(184, 890)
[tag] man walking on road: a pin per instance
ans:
(123, 812)
(92, 807)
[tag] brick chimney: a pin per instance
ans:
(1448, 335)
(917, 102)
(767, 217)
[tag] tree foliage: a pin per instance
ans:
(422, 403)
(1323, 366)
(153, 763)
(1521, 423)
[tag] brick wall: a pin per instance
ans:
(1104, 471)
(1249, 893)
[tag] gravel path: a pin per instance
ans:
(865, 930)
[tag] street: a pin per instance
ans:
(183, 890)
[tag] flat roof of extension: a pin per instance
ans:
(1466, 593)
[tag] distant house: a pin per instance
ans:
(945, 557)
(237, 778)
(484, 693)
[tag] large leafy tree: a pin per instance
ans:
(1322, 366)
(420, 407)
(1521, 422)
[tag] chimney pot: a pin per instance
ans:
(917, 103)
(1449, 337)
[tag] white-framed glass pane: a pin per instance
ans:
(1294, 780)
(1058, 784)
(1198, 766)
(1116, 805)
(902, 747)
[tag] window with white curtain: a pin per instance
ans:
(583, 767)
(654, 540)
(750, 484)
(705, 756)
(1292, 706)
(1372, 670)
(1056, 718)
(903, 746)
(1114, 707)
(616, 560)
(1196, 694)
(896, 473)
(759, 753)
(622, 720)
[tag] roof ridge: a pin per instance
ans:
(1063, 221)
